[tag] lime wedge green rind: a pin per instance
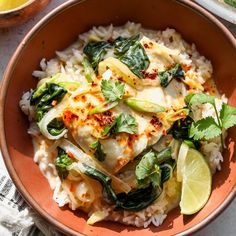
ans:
(196, 185)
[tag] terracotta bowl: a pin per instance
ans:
(61, 28)
(22, 13)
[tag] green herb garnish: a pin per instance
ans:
(167, 76)
(103, 179)
(123, 123)
(62, 162)
(95, 51)
(208, 127)
(43, 98)
(99, 153)
(148, 170)
(56, 127)
(112, 90)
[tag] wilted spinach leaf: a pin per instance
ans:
(103, 179)
(137, 200)
(95, 51)
(136, 59)
(181, 128)
(62, 162)
(43, 98)
(167, 169)
(56, 127)
(167, 76)
(99, 153)
(122, 44)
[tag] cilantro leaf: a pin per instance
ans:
(204, 129)
(199, 98)
(148, 169)
(126, 123)
(112, 90)
(123, 123)
(99, 153)
(62, 162)
(228, 116)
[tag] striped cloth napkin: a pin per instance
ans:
(16, 217)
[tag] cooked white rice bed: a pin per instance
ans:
(68, 63)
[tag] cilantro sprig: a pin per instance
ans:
(123, 123)
(208, 127)
(112, 90)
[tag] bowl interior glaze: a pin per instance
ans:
(59, 30)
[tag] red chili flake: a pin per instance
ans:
(72, 187)
(68, 116)
(103, 119)
(156, 122)
(71, 156)
(146, 45)
(164, 132)
(131, 139)
(186, 67)
(187, 86)
(83, 98)
(151, 76)
(94, 84)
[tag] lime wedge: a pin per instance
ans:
(183, 151)
(196, 185)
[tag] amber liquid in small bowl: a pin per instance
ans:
(6, 5)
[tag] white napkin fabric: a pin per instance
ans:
(16, 217)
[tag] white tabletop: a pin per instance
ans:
(225, 224)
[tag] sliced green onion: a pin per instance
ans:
(143, 105)
(105, 106)
(88, 70)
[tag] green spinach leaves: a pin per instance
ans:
(99, 153)
(44, 97)
(95, 51)
(103, 179)
(138, 199)
(127, 50)
(167, 76)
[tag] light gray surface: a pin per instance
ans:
(225, 224)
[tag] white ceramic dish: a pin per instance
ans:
(220, 9)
